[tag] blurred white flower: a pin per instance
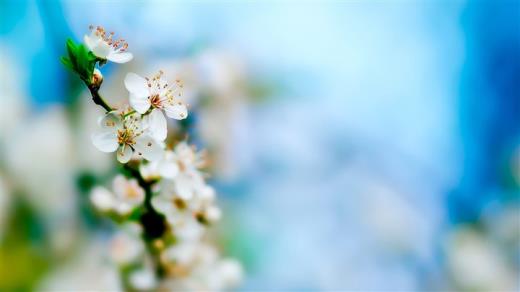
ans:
(166, 167)
(126, 136)
(199, 267)
(143, 279)
(39, 160)
(126, 246)
(87, 270)
(105, 47)
(221, 73)
(155, 93)
(476, 264)
(228, 274)
(189, 179)
(126, 196)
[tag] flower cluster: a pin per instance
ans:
(161, 199)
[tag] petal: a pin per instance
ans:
(213, 213)
(149, 148)
(168, 169)
(101, 198)
(156, 123)
(102, 49)
(110, 121)
(91, 40)
(136, 84)
(105, 141)
(184, 187)
(124, 154)
(176, 111)
(120, 57)
(140, 103)
(162, 205)
(119, 185)
(122, 208)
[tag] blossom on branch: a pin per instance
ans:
(155, 94)
(102, 44)
(126, 135)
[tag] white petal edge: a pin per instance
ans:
(168, 169)
(120, 57)
(148, 148)
(124, 154)
(91, 41)
(101, 198)
(177, 111)
(110, 121)
(105, 141)
(140, 103)
(157, 125)
(102, 49)
(136, 85)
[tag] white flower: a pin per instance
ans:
(104, 47)
(189, 179)
(126, 195)
(143, 279)
(155, 93)
(126, 247)
(201, 269)
(227, 274)
(126, 136)
(166, 167)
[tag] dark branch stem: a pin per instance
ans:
(154, 223)
(97, 98)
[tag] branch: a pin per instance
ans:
(97, 98)
(154, 223)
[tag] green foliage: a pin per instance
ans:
(80, 60)
(24, 251)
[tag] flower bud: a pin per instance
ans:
(97, 78)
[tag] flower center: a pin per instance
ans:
(125, 137)
(155, 101)
(131, 192)
(179, 203)
(118, 45)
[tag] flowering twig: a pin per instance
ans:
(163, 198)
(97, 98)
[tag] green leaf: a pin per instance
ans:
(67, 63)
(81, 60)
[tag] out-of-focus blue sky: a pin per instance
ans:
(395, 124)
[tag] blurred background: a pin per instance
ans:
(356, 145)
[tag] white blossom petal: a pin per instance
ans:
(102, 49)
(91, 40)
(162, 205)
(105, 141)
(157, 125)
(213, 213)
(184, 186)
(149, 148)
(110, 121)
(101, 198)
(177, 111)
(136, 85)
(143, 280)
(123, 208)
(124, 154)
(121, 57)
(139, 103)
(168, 169)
